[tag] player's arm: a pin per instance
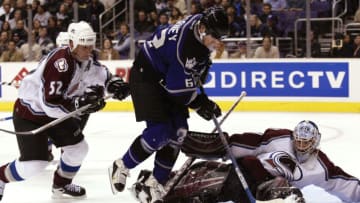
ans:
(255, 143)
(338, 182)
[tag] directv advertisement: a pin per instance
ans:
(294, 79)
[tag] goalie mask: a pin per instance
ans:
(306, 139)
(81, 33)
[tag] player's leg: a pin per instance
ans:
(69, 137)
(33, 155)
(153, 138)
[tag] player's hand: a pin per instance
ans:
(93, 95)
(118, 87)
(205, 107)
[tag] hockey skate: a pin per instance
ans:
(2, 188)
(148, 190)
(68, 191)
(117, 175)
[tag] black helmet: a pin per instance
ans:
(216, 22)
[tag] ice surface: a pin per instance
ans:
(110, 134)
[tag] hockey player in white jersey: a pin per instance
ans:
(66, 79)
(274, 165)
(295, 156)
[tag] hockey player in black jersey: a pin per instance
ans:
(164, 82)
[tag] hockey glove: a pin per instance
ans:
(118, 87)
(93, 95)
(205, 107)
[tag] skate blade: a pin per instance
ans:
(113, 189)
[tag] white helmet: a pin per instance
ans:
(62, 39)
(306, 139)
(81, 33)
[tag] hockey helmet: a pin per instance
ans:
(62, 39)
(81, 33)
(216, 22)
(306, 139)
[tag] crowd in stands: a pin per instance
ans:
(269, 19)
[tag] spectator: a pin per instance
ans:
(277, 5)
(36, 27)
(6, 16)
(42, 15)
(12, 54)
(83, 10)
(345, 49)
(64, 15)
(144, 5)
(219, 52)
(237, 24)
(315, 46)
(356, 53)
(21, 30)
(21, 5)
(181, 5)
(44, 41)
(154, 18)
(52, 6)
(4, 40)
(163, 21)
(175, 15)
(6, 27)
(31, 52)
(143, 27)
(267, 13)
(17, 16)
(357, 16)
(296, 5)
(267, 50)
(52, 28)
(34, 5)
(2, 7)
(18, 41)
(257, 28)
(107, 52)
(95, 9)
(160, 5)
(123, 45)
(241, 53)
(195, 8)
(271, 27)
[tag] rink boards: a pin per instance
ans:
(295, 85)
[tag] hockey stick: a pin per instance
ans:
(6, 118)
(233, 160)
(54, 122)
(172, 182)
(11, 84)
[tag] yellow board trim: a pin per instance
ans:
(275, 106)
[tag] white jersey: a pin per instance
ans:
(47, 92)
(275, 151)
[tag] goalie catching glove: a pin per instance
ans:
(94, 96)
(205, 107)
(118, 87)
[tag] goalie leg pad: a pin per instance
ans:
(204, 145)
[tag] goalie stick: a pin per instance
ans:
(232, 158)
(172, 182)
(54, 122)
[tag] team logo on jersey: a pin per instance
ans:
(61, 65)
(190, 63)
